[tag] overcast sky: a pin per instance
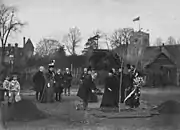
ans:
(54, 17)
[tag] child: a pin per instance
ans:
(15, 89)
(6, 85)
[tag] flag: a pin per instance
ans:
(136, 19)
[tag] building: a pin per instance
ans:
(162, 65)
(141, 38)
(18, 54)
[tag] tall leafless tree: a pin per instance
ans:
(178, 41)
(9, 23)
(72, 39)
(121, 36)
(47, 47)
(171, 41)
(158, 42)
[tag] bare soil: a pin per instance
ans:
(64, 116)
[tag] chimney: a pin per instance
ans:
(16, 44)
(24, 41)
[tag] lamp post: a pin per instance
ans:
(11, 61)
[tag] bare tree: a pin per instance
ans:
(47, 47)
(171, 41)
(178, 41)
(158, 42)
(72, 39)
(9, 23)
(121, 36)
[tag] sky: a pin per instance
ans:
(53, 18)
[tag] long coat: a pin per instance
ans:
(86, 88)
(110, 98)
(39, 81)
(59, 83)
(48, 91)
(67, 80)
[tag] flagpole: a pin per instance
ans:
(139, 25)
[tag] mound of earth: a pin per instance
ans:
(24, 110)
(168, 107)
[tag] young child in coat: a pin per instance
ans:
(15, 89)
(6, 85)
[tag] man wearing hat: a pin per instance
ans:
(48, 92)
(67, 81)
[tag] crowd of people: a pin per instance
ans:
(48, 84)
(127, 77)
(121, 86)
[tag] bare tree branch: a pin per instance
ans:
(171, 41)
(72, 39)
(47, 47)
(9, 23)
(121, 36)
(158, 42)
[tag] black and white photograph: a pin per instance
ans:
(89, 65)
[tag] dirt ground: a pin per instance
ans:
(65, 117)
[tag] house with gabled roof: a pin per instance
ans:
(20, 54)
(162, 65)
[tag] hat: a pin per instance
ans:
(51, 65)
(111, 71)
(89, 68)
(128, 66)
(67, 68)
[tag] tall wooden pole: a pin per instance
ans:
(121, 74)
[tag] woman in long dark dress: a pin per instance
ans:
(111, 92)
(85, 89)
(48, 91)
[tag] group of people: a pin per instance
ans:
(130, 81)
(127, 77)
(87, 88)
(46, 84)
(51, 82)
(12, 88)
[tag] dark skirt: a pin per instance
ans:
(83, 92)
(93, 97)
(133, 100)
(48, 95)
(109, 99)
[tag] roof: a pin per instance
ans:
(171, 51)
(29, 44)
(150, 53)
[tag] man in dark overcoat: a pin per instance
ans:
(39, 82)
(67, 81)
(59, 84)
(86, 89)
(83, 75)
